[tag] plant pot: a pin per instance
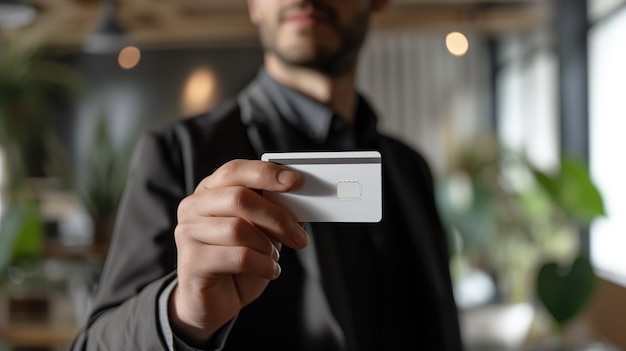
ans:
(496, 326)
(28, 300)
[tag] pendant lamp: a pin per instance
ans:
(109, 36)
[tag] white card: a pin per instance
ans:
(343, 186)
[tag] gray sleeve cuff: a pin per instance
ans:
(172, 341)
(163, 317)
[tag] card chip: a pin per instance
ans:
(349, 189)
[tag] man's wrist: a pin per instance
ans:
(192, 335)
(178, 342)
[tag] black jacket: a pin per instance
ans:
(407, 305)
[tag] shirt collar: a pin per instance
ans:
(300, 111)
(312, 118)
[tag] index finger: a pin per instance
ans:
(253, 174)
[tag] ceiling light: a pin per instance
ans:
(457, 43)
(199, 92)
(129, 57)
(16, 14)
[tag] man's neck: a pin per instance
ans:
(338, 93)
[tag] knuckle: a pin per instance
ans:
(268, 171)
(242, 258)
(283, 219)
(227, 170)
(237, 197)
(236, 227)
(280, 222)
(185, 206)
(256, 178)
(181, 233)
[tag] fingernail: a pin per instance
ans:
(277, 269)
(275, 253)
(300, 236)
(287, 177)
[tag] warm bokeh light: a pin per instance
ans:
(199, 92)
(457, 43)
(129, 57)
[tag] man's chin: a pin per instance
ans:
(303, 59)
(302, 54)
(320, 56)
(321, 63)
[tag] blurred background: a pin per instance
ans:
(518, 105)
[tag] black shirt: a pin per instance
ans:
(313, 126)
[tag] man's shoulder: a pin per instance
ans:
(200, 143)
(398, 147)
(403, 157)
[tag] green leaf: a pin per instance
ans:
(579, 195)
(573, 190)
(29, 243)
(21, 235)
(547, 183)
(10, 226)
(565, 291)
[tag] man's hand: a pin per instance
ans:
(228, 239)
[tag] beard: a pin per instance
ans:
(334, 53)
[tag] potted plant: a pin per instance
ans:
(519, 226)
(98, 177)
(30, 86)
(565, 285)
(101, 176)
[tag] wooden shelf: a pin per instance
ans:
(41, 335)
(56, 332)
(55, 249)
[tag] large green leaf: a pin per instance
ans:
(573, 190)
(565, 291)
(579, 194)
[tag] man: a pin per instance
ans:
(201, 260)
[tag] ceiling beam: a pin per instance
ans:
(189, 23)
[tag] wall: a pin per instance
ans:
(432, 100)
(151, 92)
(426, 97)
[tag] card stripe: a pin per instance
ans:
(324, 161)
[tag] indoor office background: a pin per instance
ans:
(517, 105)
